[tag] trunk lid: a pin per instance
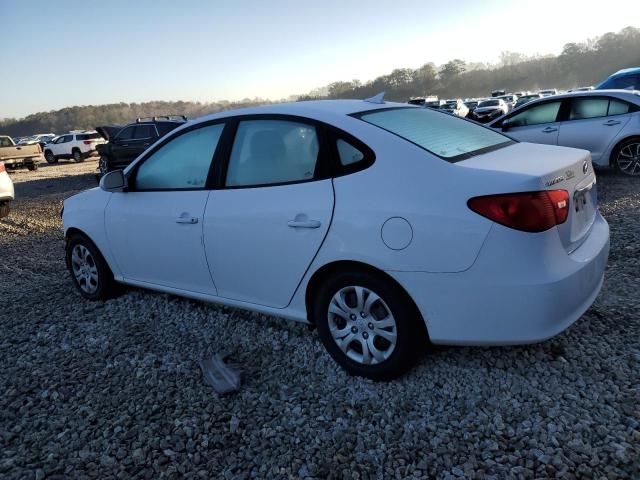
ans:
(534, 167)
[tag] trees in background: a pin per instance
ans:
(579, 64)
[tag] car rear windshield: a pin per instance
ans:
(452, 139)
(489, 103)
(88, 136)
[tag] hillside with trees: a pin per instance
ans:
(579, 64)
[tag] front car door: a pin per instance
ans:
(120, 147)
(266, 222)
(536, 123)
(59, 147)
(155, 228)
(143, 136)
(592, 123)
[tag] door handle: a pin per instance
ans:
(611, 123)
(124, 145)
(550, 130)
(304, 223)
(187, 219)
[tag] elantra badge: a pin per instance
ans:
(555, 180)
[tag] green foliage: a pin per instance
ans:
(579, 64)
(90, 116)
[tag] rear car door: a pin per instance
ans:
(155, 228)
(265, 224)
(537, 123)
(592, 123)
(121, 147)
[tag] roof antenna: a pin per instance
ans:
(379, 98)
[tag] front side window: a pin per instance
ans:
(535, 115)
(272, 151)
(67, 138)
(587, 107)
(448, 137)
(181, 164)
(5, 142)
(164, 128)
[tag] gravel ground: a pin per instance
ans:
(98, 390)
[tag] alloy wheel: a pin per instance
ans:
(629, 159)
(84, 269)
(362, 325)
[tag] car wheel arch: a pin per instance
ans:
(614, 149)
(74, 231)
(339, 266)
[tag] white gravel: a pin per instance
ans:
(97, 390)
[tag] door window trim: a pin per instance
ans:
(328, 164)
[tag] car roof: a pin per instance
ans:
(314, 109)
(630, 95)
(624, 71)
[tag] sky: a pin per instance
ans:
(70, 52)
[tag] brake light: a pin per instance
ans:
(2, 169)
(39, 148)
(527, 211)
(88, 142)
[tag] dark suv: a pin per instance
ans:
(125, 143)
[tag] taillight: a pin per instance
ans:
(88, 142)
(2, 169)
(39, 148)
(527, 211)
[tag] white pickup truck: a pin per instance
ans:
(15, 156)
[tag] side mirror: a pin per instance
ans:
(113, 181)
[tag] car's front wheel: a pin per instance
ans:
(89, 271)
(50, 157)
(627, 157)
(368, 324)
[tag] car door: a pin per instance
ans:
(155, 227)
(536, 123)
(144, 135)
(592, 123)
(120, 146)
(58, 147)
(265, 224)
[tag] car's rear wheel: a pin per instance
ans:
(77, 156)
(4, 210)
(89, 271)
(367, 324)
(627, 157)
(50, 157)
(32, 166)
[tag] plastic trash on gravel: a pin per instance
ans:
(224, 378)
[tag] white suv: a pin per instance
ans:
(76, 145)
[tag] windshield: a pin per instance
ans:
(489, 103)
(450, 138)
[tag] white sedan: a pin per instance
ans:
(384, 225)
(605, 122)
(7, 193)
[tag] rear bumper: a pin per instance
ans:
(516, 292)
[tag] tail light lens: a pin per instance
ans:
(88, 142)
(527, 211)
(2, 169)
(39, 147)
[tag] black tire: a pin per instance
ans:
(4, 210)
(103, 165)
(77, 155)
(50, 157)
(625, 158)
(32, 167)
(409, 329)
(105, 286)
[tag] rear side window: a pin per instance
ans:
(588, 108)
(87, 136)
(535, 115)
(348, 153)
(267, 152)
(145, 131)
(448, 137)
(164, 128)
